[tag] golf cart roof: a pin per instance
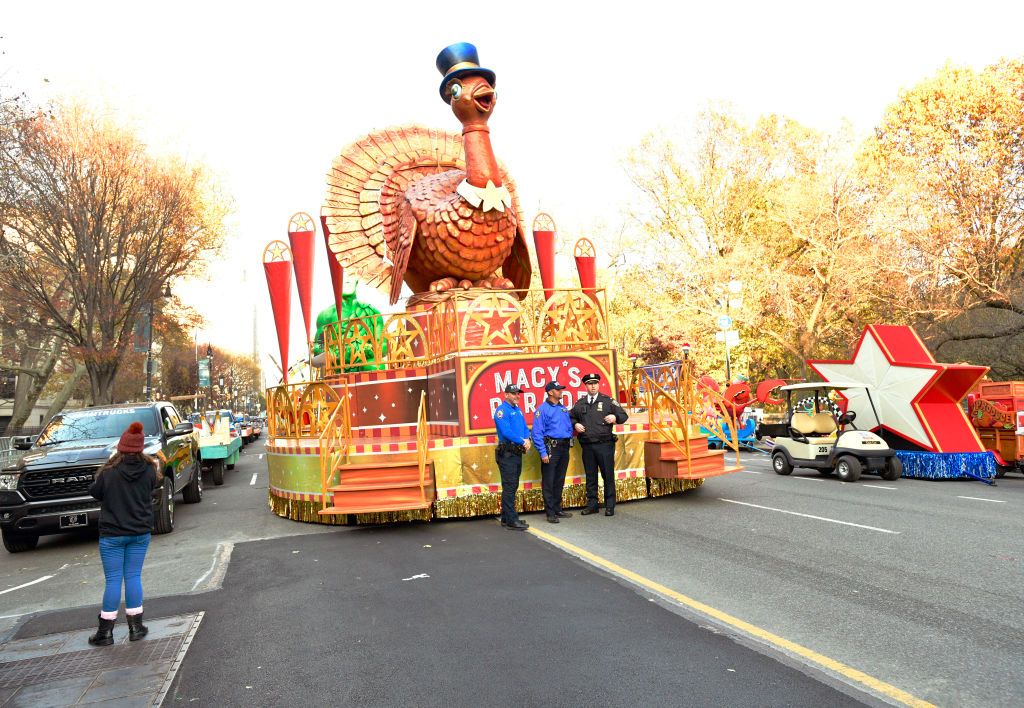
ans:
(821, 384)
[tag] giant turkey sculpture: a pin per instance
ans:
(427, 207)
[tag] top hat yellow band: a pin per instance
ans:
(463, 65)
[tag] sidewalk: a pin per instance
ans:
(63, 670)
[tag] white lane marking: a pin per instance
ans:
(994, 501)
(811, 479)
(810, 516)
(221, 557)
(253, 480)
(416, 577)
(261, 455)
(877, 486)
(751, 471)
(25, 585)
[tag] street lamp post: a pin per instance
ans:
(730, 300)
(209, 356)
(149, 357)
(149, 348)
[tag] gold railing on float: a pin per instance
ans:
(334, 442)
(422, 444)
(467, 322)
(679, 405)
(300, 410)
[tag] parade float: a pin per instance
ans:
(394, 421)
(996, 410)
(913, 403)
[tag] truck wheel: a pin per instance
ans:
(193, 491)
(780, 464)
(893, 469)
(217, 472)
(848, 469)
(18, 543)
(164, 512)
(1001, 470)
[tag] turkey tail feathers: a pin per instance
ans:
(366, 187)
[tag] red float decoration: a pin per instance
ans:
(334, 266)
(916, 398)
(544, 231)
(277, 266)
(586, 265)
(301, 230)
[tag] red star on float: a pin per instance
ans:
(914, 396)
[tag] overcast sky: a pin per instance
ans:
(268, 95)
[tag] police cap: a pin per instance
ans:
(591, 378)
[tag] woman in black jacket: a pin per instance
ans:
(124, 487)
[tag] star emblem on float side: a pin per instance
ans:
(915, 397)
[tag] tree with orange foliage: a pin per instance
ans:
(948, 159)
(93, 227)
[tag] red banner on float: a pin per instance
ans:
(300, 234)
(334, 266)
(278, 268)
(486, 380)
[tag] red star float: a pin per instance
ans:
(914, 397)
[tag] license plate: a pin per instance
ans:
(68, 521)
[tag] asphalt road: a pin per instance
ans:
(929, 599)
(920, 587)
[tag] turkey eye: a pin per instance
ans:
(456, 91)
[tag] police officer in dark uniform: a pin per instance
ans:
(513, 442)
(594, 416)
(552, 436)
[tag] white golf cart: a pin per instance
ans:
(814, 439)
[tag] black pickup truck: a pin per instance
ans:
(47, 490)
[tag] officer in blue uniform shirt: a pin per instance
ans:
(552, 436)
(513, 441)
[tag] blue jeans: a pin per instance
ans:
(122, 558)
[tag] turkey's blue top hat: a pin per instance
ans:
(458, 60)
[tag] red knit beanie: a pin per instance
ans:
(132, 440)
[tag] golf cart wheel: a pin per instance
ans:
(893, 469)
(848, 469)
(780, 464)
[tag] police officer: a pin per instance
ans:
(594, 416)
(513, 441)
(552, 436)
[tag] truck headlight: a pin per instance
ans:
(8, 482)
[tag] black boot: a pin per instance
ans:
(104, 635)
(136, 630)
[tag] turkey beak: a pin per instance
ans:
(484, 98)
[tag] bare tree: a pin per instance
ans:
(84, 204)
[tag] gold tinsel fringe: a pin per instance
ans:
(486, 504)
(573, 496)
(662, 487)
(308, 511)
